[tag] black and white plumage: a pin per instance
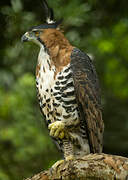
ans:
(68, 92)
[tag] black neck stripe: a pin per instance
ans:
(45, 48)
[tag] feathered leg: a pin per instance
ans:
(68, 153)
(68, 149)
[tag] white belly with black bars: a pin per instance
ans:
(58, 102)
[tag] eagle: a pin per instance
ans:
(67, 89)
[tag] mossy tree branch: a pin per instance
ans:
(92, 166)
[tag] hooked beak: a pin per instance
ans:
(25, 38)
(30, 36)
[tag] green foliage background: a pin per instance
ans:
(100, 28)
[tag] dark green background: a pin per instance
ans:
(100, 28)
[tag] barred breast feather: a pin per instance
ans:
(56, 96)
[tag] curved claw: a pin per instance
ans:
(61, 135)
(58, 163)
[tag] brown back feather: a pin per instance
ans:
(88, 98)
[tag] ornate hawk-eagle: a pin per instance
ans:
(68, 90)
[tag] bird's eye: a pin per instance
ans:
(36, 33)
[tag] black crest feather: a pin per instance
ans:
(48, 12)
(49, 15)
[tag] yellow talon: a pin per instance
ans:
(57, 129)
(69, 158)
(61, 136)
(58, 163)
(50, 126)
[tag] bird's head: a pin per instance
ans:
(51, 39)
(39, 34)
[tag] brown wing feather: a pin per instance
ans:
(88, 98)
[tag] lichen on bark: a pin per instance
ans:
(92, 166)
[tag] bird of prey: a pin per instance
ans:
(68, 90)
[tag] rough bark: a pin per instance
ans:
(92, 166)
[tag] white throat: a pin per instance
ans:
(43, 55)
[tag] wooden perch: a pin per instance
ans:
(92, 166)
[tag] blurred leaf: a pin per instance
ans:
(4, 176)
(106, 46)
(16, 5)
